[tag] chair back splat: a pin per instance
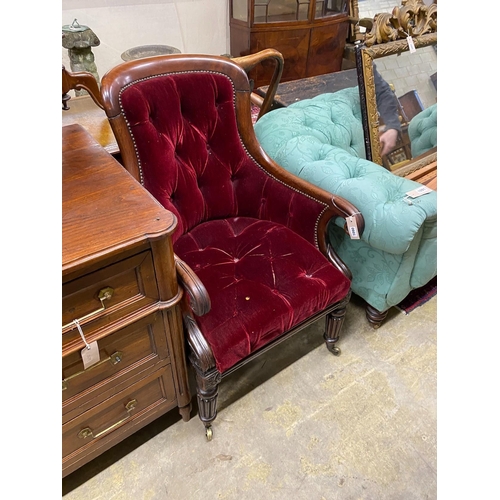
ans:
(250, 243)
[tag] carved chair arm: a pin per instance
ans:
(250, 61)
(346, 209)
(338, 207)
(82, 80)
(198, 295)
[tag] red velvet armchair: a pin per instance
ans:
(250, 240)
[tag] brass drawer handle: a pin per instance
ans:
(115, 358)
(104, 294)
(87, 431)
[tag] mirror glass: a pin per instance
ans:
(411, 77)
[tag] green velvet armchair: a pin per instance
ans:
(321, 140)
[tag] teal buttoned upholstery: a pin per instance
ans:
(321, 140)
(422, 131)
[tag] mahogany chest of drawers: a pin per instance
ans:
(120, 299)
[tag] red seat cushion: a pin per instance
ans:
(249, 266)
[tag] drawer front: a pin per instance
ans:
(123, 354)
(126, 286)
(107, 422)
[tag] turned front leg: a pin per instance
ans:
(207, 391)
(334, 322)
(374, 316)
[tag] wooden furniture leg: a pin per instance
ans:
(334, 322)
(207, 389)
(375, 317)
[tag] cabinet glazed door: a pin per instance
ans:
(311, 35)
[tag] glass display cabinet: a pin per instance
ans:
(311, 35)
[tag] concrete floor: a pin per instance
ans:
(298, 423)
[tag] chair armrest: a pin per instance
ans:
(310, 209)
(250, 61)
(199, 303)
(82, 80)
(199, 299)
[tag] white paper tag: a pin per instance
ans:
(415, 193)
(90, 354)
(352, 227)
(411, 45)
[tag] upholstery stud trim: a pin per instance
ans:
(141, 175)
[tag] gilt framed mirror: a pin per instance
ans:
(400, 46)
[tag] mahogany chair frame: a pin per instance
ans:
(196, 301)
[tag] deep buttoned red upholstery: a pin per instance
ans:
(250, 266)
(248, 237)
(250, 249)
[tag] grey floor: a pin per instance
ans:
(297, 424)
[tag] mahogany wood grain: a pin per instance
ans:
(115, 236)
(326, 49)
(293, 44)
(154, 394)
(84, 111)
(123, 213)
(309, 48)
(141, 346)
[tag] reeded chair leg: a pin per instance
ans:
(207, 389)
(334, 322)
(374, 316)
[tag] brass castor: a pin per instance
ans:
(335, 350)
(330, 345)
(209, 433)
